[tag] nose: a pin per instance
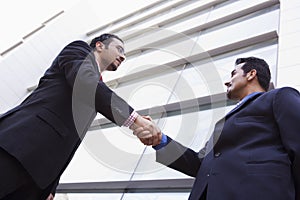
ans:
(227, 84)
(122, 57)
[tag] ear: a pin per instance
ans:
(251, 74)
(99, 46)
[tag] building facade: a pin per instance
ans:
(179, 54)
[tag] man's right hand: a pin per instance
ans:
(146, 130)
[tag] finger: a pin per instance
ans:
(157, 139)
(144, 140)
(50, 197)
(138, 130)
(149, 141)
(147, 117)
(144, 134)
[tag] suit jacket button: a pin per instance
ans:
(217, 154)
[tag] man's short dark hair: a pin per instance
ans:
(105, 38)
(261, 67)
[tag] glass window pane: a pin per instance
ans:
(192, 130)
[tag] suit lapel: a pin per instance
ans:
(209, 147)
(220, 124)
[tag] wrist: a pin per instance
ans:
(131, 119)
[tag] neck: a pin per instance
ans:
(252, 90)
(98, 61)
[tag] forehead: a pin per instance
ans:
(116, 42)
(239, 66)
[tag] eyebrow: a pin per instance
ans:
(119, 46)
(233, 72)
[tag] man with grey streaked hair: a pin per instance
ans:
(39, 137)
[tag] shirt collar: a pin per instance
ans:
(248, 97)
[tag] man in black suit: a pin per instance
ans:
(39, 137)
(254, 151)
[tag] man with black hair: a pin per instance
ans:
(254, 151)
(39, 137)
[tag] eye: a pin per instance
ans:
(121, 50)
(233, 73)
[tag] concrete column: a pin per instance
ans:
(288, 71)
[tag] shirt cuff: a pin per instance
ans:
(163, 142)
(130, 120)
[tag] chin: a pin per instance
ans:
(228, 95)
(112, 68)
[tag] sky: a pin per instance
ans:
(18, 17)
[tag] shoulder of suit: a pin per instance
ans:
(287, 89)
(283, 91)
(81, 44)
(77, 47)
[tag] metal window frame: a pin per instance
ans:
(138, 186)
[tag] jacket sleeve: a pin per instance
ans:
(286, 107)
(78, 63)
(54, 186)
(179, 157)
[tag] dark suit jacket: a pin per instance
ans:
(253, 154)
(45, 130)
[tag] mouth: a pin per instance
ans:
(119, 62)
(114, 65)
(228, 86)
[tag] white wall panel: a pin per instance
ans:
(289, 44)
(289, 76)
(176, 14)
(150, 91)
(233, 6)
(239, 31)
(104, 155)
(195, 22)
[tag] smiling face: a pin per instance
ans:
(110, 55)
(237, 87)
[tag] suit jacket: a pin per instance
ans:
(253, 152)
(45, 130)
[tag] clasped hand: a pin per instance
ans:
(146, 130)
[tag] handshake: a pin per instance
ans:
(146, 130)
